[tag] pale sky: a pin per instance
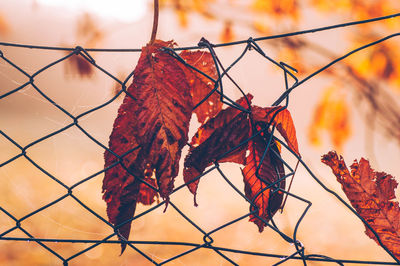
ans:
(123, 10)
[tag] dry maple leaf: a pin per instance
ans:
(162, 112)
(149, 133)
(256, 184)
(230, 128)
(120, 187)
(200, 85)
(282, 119)
(216, 137)
(372, 195)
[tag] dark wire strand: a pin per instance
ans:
(267, 131)
(276, 36)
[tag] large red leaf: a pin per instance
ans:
(282, 119)
(201, 85)
(216, 137)
(154, 119)
(267, 199)
(373, 197)
(227, 130)
(161, 114)
(119, 186)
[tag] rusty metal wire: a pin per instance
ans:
(291, 82)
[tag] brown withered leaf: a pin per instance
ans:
(154, 117)
(216, 137)
(282, 120)
(78, 65)
(372, 196)
(121, 188)
(221, 134)
(162, 112)
(201, 85)
(256, 186)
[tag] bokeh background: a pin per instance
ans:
(351, 108)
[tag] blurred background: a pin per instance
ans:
(352, 107)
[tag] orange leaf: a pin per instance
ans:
(279, 9)
(261, 27)
(372, 196)
(181, 13)
(256, 185)
(283, 121)
(217, 136)
(227, 34)
(201, 85)
(331, 114)
(4, 26)
(154, 116)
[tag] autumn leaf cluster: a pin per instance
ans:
(372, 70)
(152, 128)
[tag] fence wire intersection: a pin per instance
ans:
(291, 82)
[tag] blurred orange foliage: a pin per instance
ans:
(87, 35)
(358, 9)
(283, 9)
(227, 34)
(4, 27)
(332, 115)
(380, 62)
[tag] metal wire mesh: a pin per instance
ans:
(290, 81)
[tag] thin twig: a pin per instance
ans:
(155, 22)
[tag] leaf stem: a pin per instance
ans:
(155, 22)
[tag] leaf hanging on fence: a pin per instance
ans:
(162, 112)
(372, 195)
(201, 85)
(154, 119)
(270, 170)
(217, 136)
(120, 188)
(282, 119)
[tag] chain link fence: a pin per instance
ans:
(19, 228)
